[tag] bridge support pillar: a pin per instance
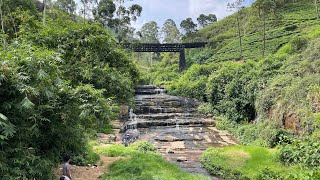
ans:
(182, 61)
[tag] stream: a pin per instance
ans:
(173, 125)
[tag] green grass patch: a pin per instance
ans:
(142, 163)
(249, 162)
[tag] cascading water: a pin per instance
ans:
(171, 122)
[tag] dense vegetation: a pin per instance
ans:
(63, 77)
(266, 90)
(251, 162)
(60, 81)
(141, 162)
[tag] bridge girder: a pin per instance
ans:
(169, 47)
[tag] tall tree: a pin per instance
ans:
(2, 25)
(150, 33)
(205, 20)
(171, 33)
(188, 26)
(117, 16)
(317, 8)
(237, 8)
(68, 6)
(85, 8)
(104, 12)
(44, 12)
(264, 7)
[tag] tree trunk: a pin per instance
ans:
(84, 13)
(317, 8)
(2, 25)
(239, 34)
(44, 12)
(264, 35)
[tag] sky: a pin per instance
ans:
(161, 10)
(178, 10)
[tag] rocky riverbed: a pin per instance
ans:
(173, 125)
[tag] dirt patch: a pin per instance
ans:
(89, 173)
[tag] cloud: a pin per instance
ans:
(160, 10)
(217, 7)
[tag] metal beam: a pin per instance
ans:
(170, 47)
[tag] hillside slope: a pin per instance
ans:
(289, 20)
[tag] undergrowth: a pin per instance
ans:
(142, 163)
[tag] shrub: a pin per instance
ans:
(301, 152)
(143, 146)
(270, 175)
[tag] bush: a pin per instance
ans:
(193, 82)
(301, 152)
(270, 175)
(143, 146)
(205, 108)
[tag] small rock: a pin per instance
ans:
(182, 159)
(170, 151)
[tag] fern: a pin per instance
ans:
(26, 103)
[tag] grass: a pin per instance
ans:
(247, 162)
(292, 19)
(142, 165)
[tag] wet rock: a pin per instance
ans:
(133, 133)
(182, 159)
(169, 151)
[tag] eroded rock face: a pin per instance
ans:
(155, 108)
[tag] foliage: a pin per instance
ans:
(170, 32)
(264, 133)
(58, 82)
(116, 16)
(249, 162)
(205, 20)
(142, 165)
(193, 82)
(188, 26)
(68, 6)
(301, 152)
(143, 146)
(164, 72)
(150, 33)
(91, 45)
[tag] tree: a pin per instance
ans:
(204, 20)
(264, 7)
(117, 17)
(68, 6)
(150, 33)
(85, 8)
(44, 12)
(238, 9)
(317, 8)
(188, 26)
(170, 32)
(104, 11)
(2, 25)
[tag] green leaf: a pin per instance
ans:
(26, 103)
(41, 74)
(3, 117)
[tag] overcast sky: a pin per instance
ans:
(161, 10)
